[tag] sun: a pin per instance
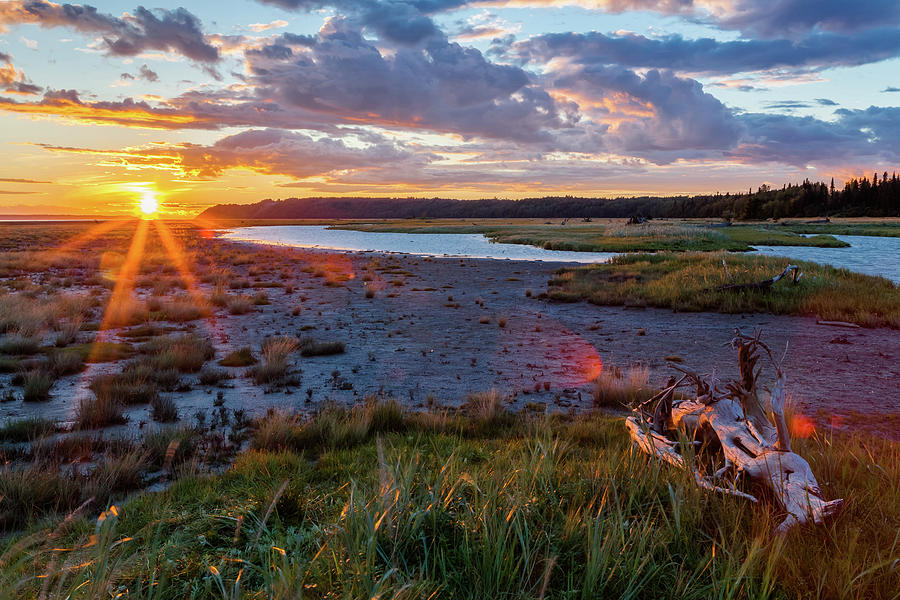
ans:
(148, 203)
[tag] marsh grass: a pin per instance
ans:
(551, 508)
(20, 345)
(274, 365)
(240, 305)
(620, 389)
(100, 411)
(26, 429)
(36, 385)
(187, 353)
(688, 282)
(163, 409)
(615, 236)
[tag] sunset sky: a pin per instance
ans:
(110, 105)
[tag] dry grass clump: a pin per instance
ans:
(187, 353)
(310, 347)
(212, 376)
(99, 411)
(242, 357)
(274, 366)
(26, 430)
(126, 313)
(134, 385)
(261, 299)
(163, 409)
(20, 345)
(36, 385)
(487, 411)
(219, 297)
(332, 427)
(183, 310)
(240, 305)
(62, 363)
(615, 388)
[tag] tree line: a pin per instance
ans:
(878, 197)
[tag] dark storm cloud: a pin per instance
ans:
(175, 30)
(710, 56)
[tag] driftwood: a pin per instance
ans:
(794, 270)
(754, 443)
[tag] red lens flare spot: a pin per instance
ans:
(801, 426)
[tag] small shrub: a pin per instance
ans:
(261, 299)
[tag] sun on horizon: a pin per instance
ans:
(148, 203)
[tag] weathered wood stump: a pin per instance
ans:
(755, 442)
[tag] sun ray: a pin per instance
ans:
(119, 303)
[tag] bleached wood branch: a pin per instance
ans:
(753, 443)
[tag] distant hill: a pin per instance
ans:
(860, 197)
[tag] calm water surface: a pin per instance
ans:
(866, 254)
(471, 245)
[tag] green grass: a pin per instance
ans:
(613, 235)
(687, 282)
(430, 506)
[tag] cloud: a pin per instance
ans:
(15, 193)
(17, 180)
(710, 56)
(440, 86)
(260, 27)
(891, 89)
(148, 74)
(393, 20)
(826, 102)
(13, 81)
(872, 134)
(657, 115)
(176, 30)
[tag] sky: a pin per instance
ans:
(109, 107)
